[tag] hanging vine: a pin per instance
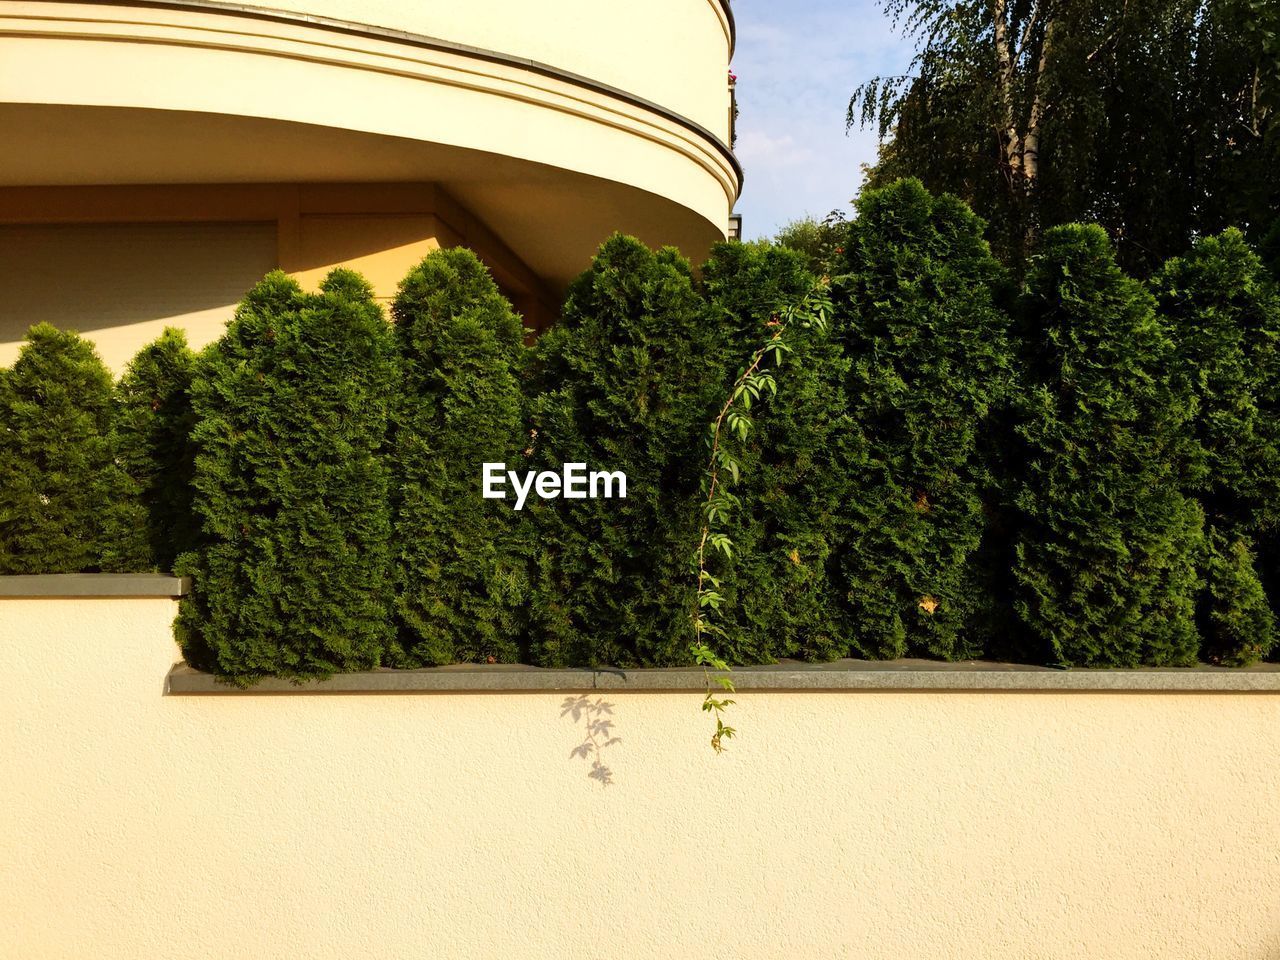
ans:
(727, 434)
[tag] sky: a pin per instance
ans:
(797, 62)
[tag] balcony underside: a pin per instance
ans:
(552, 218)
(551, 162)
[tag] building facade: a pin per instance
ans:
(161, 155)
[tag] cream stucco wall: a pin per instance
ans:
(120, 263)
(538, 130)
(120, 285)
(867, 825)
(619, 124)
(674, 52)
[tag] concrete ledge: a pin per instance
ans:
(840, 675)
(94, 585)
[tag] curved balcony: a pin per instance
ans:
(547, 124)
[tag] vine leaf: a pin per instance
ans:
(723, 471)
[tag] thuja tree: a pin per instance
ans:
(461, 561)
(821, 242)
(1269, 249)
(154, 421)
(929, 359)
(65, 504)
(793, 481)
(293, 577)
(1237, 625)
(1107, 543)
(626, 381)
(1223, 311)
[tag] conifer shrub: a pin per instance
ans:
(66, 506)
(779, 597)
(1223, 312)
(820, 242)
(929, 359)
(461, 561)
(154, 422)
(293, 576)
(1269, 249)
(1106, 549)
(627, 380)
(1237, 625)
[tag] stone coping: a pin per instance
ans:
(94, 585)
(841, 675)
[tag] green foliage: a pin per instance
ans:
(1236, 622)
(1105, 553)
(65, 504)
(929, 358)
(627, 380)
(1223, 312)
(1269, 249)
(1154, 118)
(792, 481)
(294, 576)
(461, 564)
(821, 242)
(154, 422)
(762, 283)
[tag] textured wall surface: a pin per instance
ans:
(623, 128)
(867, 825)
(185, 275)
(675, 52)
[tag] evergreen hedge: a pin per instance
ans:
(779, 597)
(294, 576)
(1224, 313)
(461, 563)
(626, 380)
(66, 506)
(929, 358)
(154, 422)
(1237, 625)
(1107, 545)
(1090, 474)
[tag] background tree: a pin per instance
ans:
(627, 380)
(929, 357)
(154, 422)
(1107, 543)
(293, 576)
(65, 504)
(1154, 118)
(821, 242)
(461, 564)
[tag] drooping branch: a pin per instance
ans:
(1114, 32)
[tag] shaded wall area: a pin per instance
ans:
(122, 284)
(120, 263)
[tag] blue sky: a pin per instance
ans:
(797, 62)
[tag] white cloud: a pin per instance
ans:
(771, 151)
(797, 63)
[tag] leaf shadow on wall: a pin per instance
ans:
(596, 718)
